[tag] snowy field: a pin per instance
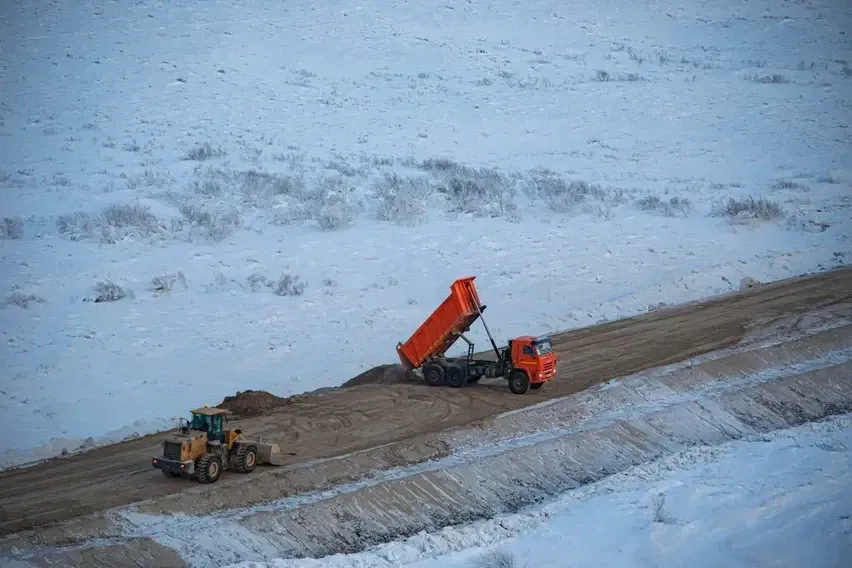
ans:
(782, 499)
(271, 196)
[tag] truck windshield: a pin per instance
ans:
(543, 347)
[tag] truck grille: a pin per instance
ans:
(549, 367)
(171, 451)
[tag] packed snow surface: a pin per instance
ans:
(272, 195)
(780, 499)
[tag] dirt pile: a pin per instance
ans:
(382, 375)
(252, 403)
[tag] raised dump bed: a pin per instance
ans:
(444, 326)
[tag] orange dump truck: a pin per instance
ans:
(527, 362)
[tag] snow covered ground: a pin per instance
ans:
(783, 499)
(575, 157)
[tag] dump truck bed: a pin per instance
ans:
(437, 334)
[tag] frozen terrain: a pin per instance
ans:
(281, 192)
(780, 499)
(507, 476)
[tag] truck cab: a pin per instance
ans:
(535, 357)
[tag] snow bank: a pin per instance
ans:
(777, 499)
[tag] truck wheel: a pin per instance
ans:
(246, 458)
(208, 468)
(519, 382)
(455, 377)
(433, 375)
(536, 386)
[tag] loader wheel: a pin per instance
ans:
(433, 375)
(519, 382)
(246, 458)
(208, 468)
(536, 386)
(455, 377)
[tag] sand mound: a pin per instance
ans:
(382, 375)
(252, 403)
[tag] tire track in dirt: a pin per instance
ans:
(378, 415)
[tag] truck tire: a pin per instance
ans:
(246, 458)
(208, 468)
(433, 375)
(519, 382)
(455, 377)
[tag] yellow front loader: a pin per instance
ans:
(203, 448)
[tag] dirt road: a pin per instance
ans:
(348, 419)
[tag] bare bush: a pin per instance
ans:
(289, 285)
(114, 223)
(658, 508)
(766, 78)
(12, 228)
(165, 283)
(257, 281)
(289, 213)
(483, 192)
(78, 225)
(222, 283)
(605, 76)
(208, 188)
(199, 222)
(749, 208)
(22, 300)
(121, 221)
(327, 201)
(672, 207)
(204, 152)
(108, 291)
(398, 200)
(335, 216)
(788, 184)
(494, 559)
(439, 165)
(564, 196)
(263, 188)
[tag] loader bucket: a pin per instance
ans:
(269, 454)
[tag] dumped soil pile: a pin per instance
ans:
(382, 375)
(252, 403)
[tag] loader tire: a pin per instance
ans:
(433, 375)
(246, 458)
(519, 382)
(455, 377)
(208, 468)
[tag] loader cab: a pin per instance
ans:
(209, 420)
(534, 355)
